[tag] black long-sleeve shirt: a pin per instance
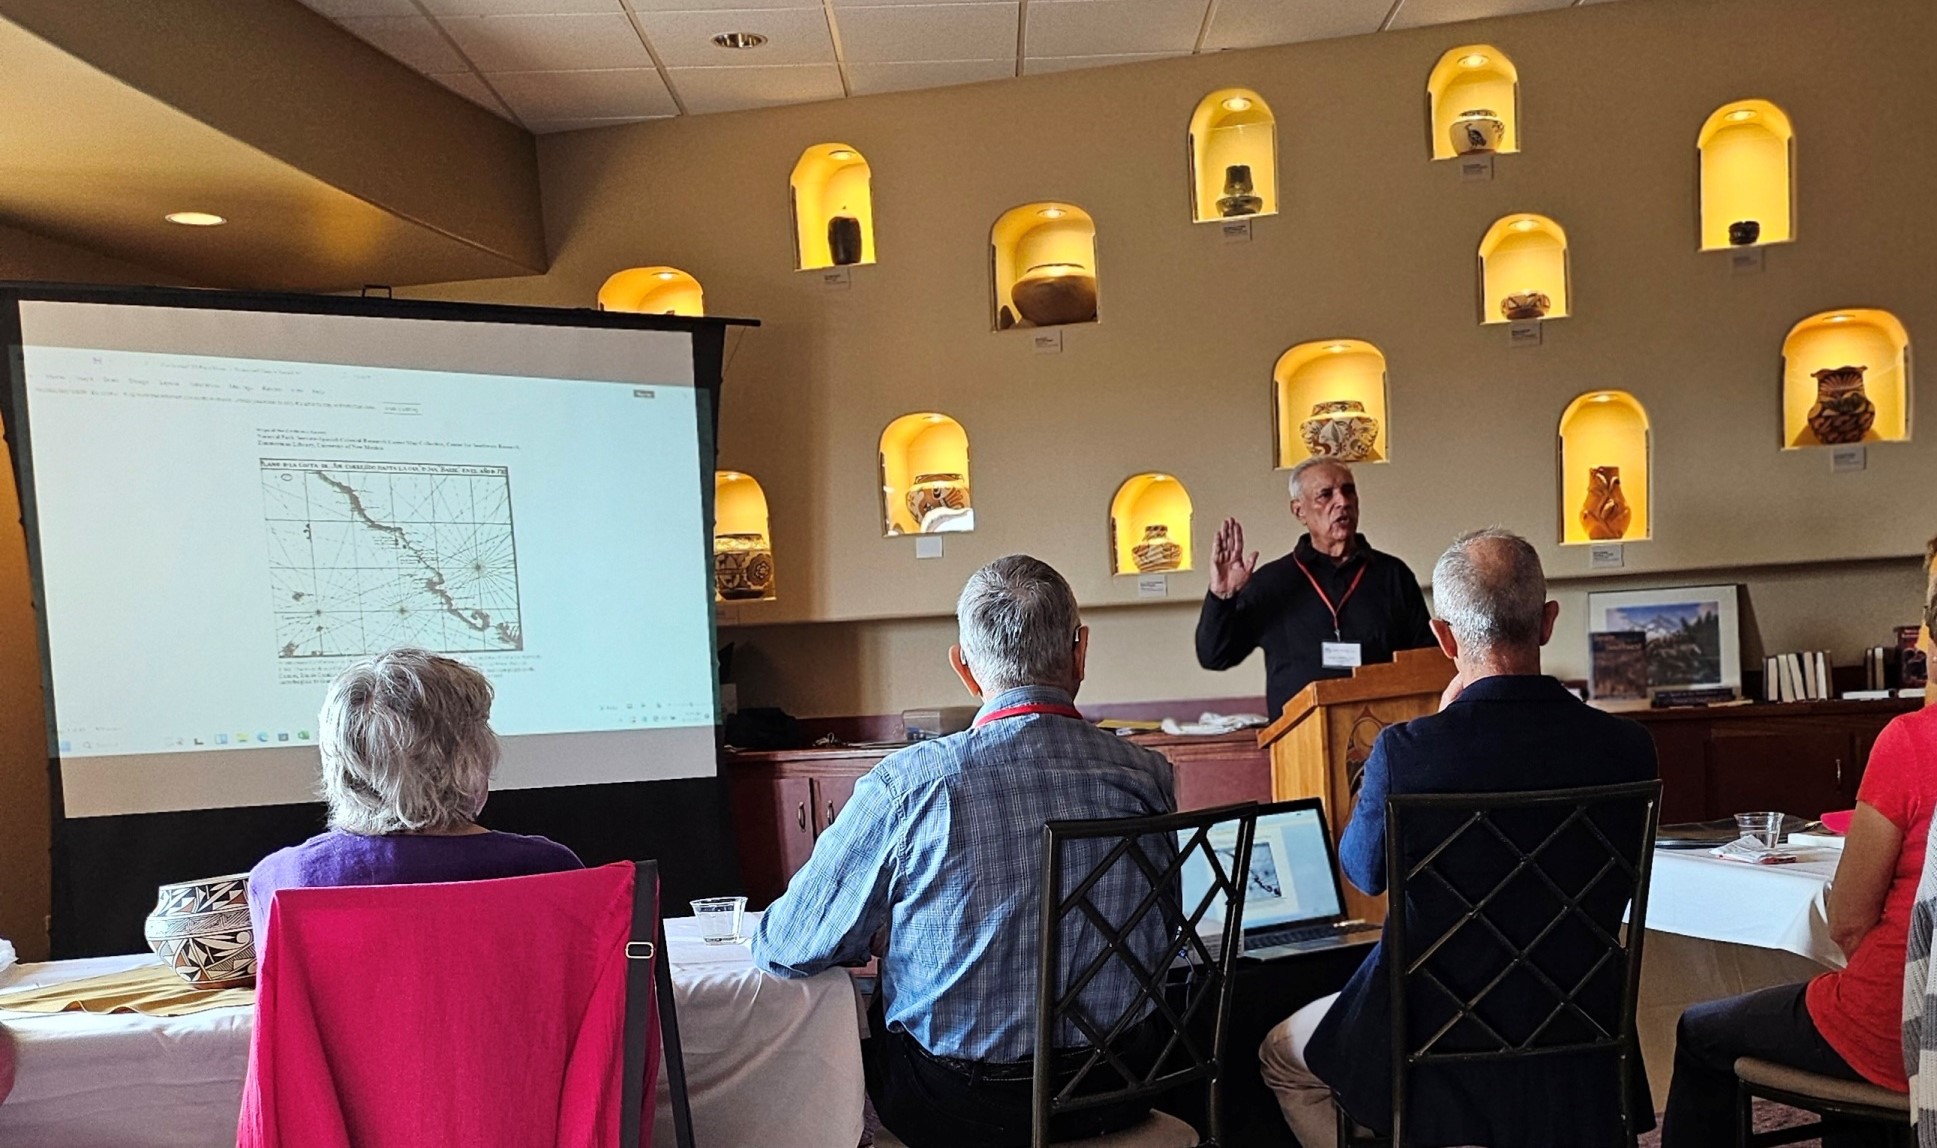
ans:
(1279, 612)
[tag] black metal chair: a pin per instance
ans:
(1519, 963)
(1837, 1104)
(1150, 969)
(649, 971)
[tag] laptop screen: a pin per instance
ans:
(1292, 878)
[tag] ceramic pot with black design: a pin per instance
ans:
(742, 567)
(1051, 294)
(1157, 552)
(1340, 429)
(1526, 305)
(1476, 131)
(201, 930)
(1843, 412)
(932, 492)
(1744, 232)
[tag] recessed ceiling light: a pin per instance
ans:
(666, 275)
(1337, 348)
(1526, 225)
(195, 218)
(1740, 114)
(1839, 318)
(1603, 398)
(1052, 213)
(1237, 104)
(841, 154)
(739, 39)
(1475, 60)
(933, 418)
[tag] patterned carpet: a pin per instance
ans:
(1769, 1116)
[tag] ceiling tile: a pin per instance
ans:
(871, 79)
(337, 9)
(548, 43)
(893, 34)
(1421, 13)
(794, 36)
(552, 127)
(899, 3)
(1111, 27)
(412, 40)
(603, 93)
(1257, 23)
(519, 7)
(468, 85)
(734, 89)
(1038, 65)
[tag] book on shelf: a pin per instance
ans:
(1619, 667)
(1716, 696)
(1876, 671)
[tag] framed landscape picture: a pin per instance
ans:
(1693, 636)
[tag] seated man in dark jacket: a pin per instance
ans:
(1503, 726)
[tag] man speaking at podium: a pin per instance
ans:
(1331, 604)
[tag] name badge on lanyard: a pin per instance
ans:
(1340, 655)
(1337, 654)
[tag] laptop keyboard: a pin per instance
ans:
(1297, 934)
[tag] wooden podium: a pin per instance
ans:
(1320, 743)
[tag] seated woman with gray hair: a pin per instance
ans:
(408, 752)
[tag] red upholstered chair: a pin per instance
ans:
(515, 1011)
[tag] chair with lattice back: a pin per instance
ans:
(1504, 934)
(1146, 972)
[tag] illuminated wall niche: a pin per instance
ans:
(1043, 266)
(653, 291)
(832, 183)
(743, 569)
(1748, 175)
(1329, 398)
(1601, 430)
(1523, 257)
(1824, 344)
(925, 476)
(1475, 78)
(1233, 127)
(1150, 525)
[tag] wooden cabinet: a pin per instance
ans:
(783, 800)
(1804, 758)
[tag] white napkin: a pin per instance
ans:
(1210, 724)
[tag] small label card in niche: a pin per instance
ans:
(1748, 260)
(1606, 556)
(1523, 333)
(837, 278)
(1849, 459)
(928, 546)
(1235, 230)
(1153, 585)
(1049, 342)
(1476, 168)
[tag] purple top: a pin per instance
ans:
(339, 858)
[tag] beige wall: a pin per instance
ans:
(1373, 241)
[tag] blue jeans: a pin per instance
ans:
(1769, 1024)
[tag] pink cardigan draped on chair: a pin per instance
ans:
(482, 1012)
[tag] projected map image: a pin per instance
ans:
(364, 556)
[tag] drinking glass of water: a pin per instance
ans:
(1765, 827)
(719, 919)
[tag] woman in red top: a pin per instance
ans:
(1844, 1024)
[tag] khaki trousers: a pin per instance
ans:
(1305, 1100)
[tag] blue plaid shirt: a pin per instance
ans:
(942, 844)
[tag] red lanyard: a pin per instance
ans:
(1030, 708)
(1325, 598)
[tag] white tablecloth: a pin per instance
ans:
(767, 1061)
(1766, 906)
(1718, 929)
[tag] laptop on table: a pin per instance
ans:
(1293, 901)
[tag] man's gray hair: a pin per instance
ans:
(1313, 463)
(1489, 588)
(1018, 622)
(407, 744)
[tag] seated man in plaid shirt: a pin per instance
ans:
(940, 848)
